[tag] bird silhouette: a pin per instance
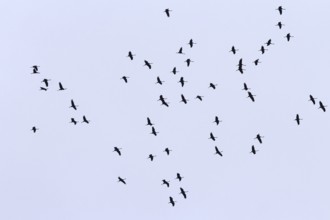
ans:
(280, 9)
(253, 150)
(288, 36)
(85, 120)
(159, 81)
(191, 43)
(153, 131)
(262, 49)
(151, 157)
(73, 121)
(213, 86)
(297, 119)
(269, 42)
(233, 50)
(34, 129)
(212, 137)
(148, 64)
(256, 62)
(125, 78)
(35, 69)
(172, 202)
(245, 87)
(149, 122)
(130, 55)
(121, 180)
(199, 97)
(183, 193)
(116, 149)
(73, 105)
(322, 106)
(240, 69)
(165, 182)
(182, 81)
(259, 138)
(188, 61)
(216, 120)
(167, 11)
(61, 88)
(43, 89)
(312, 99)
(179, 177)
(280, 25)
(217, 151)
(162, 99)
(167, 150)
(180, 51)
(183, 99)
(174, 71)
(46, 81)
(251, 96)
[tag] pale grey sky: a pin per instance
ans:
(70, 172)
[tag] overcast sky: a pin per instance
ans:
(70, 172)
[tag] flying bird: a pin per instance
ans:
(73, 121)
(182, 81)
(180, 51)
(245, 87)
(151, 157)
(149, 122)
(297, 119)
(167, 11)
(280, 9)
(165, 182)
(34, 129)
(174, 71)
(162, 99)
(116, 149)
(288, 36)
(183, 193)
(61, 88)
(183, 99)
(121, 180)
(125, 78)
(311, 98)
(46, 81)
(73, 105)
(253, 150)
(43, 89)
(172, 201)
(269, 42)
(280, 25)
(130, 55)
(256, 62)
(233, 50)
(322, 106)
(262, 49)
(212, 137)
(153, 131)
(251, 96)
(179, 177)
(159, 81)
(199, 97)
(216, 120)
(146, 63)
(213, 86)
(217, 151)
(188, 61)
(85, 120)
(167, 150)
(191, 43)
(259, 138)
(35, 69)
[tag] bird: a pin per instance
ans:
(311, 98)
(34, 129)
(167, 150)
(240, 69)
(240, 62)
(116, 149)
(35, 69)
(130, 55)
(256, 62)
(233, 50)
(148, 64)
(85, 120)
(183, 193)
(253, 150)
(188, 61)
(245, 87)
(165, 182)
(280, 25)
(153, 131)
(262, 49)
(167, 11)
(179, 177)
(121, 180)
(199, 97)
(269, 42)
(73, 121)
(174, 71)
(288, 36)
(213, 86)
(151, 157)
(191, 43)
(251, 96)
(46, 81)
(212, 137)
(183, 99)
(159, 81)
(162, 99)
(73, 105)
(258, 137)
(43, 89)
(182, 81)
(125, 78)
(280, 9)
(297, 119)
(149, 122)
(61, 88)
(216, 120)
(180, 51)
(322, 106)
(217, 151)
(172, 201)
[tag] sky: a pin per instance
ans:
(70, 172)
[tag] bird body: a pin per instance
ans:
(85, 120)
(148, 64)
(116, 149)
(212, 137)
(73, 105)
(73, 121)
(165, 182)
(167, 12)
(322, 106)
(217, 151)
(183, 193)
(122, 180)
(61, 88)
(297, 119)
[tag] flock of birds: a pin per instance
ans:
(184, 100)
